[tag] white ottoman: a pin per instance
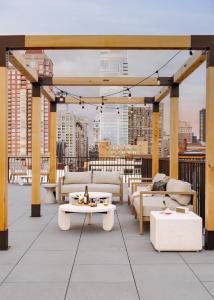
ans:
(176, 232)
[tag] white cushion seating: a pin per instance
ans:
(155, 203)
(159, 177)
(77, 177)
(105, 188)
(106, 177)
(175, 185)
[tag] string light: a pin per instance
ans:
(130, 94)
(83, 105)
(118, 111)
(158, 77)
(128, 89)
(132, 109)
(190, 52)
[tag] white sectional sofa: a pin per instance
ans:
(97, 181)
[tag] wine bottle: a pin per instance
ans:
(86, 195)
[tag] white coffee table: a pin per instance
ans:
(50, 188)
(65, 210)
(92, 195)
(176, 232)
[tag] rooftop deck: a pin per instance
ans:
(89, 263)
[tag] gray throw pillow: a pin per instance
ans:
(159, 186)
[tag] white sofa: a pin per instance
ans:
(178, 193)
(97, 181)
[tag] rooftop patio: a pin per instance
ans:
(88, 263)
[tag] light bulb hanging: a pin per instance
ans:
(158, 77)
(130, 94)
(102, 101)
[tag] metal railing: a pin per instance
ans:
(190, 170)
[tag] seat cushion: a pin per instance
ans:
(154, 203)
(106, 188)
(175, 185)
(106, 177)
(77, 177)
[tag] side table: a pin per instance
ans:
(176, 231)
(50, 188)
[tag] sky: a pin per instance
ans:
(156, 17)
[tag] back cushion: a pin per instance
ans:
(106, 177)
(175, 185)
(159, 177)
(77, 177)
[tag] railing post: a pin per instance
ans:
(3, 153)
(174, 111)
(36, 148)
(53, 142)
(155, 139)
(209, 171)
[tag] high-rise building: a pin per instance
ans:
(66, 131)
(202, 124)
(74, 132)
(96, 132)
(140, 124)
(184, 134)
(81, 137)
(114, 126)
(20, 106)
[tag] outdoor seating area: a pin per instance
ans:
(45, 262)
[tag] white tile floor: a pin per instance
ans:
(87, 263)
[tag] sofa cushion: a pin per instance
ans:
(175, 185)
(155, 203)
(159, 186)
(158, 177)
(77, 177)
(143, 189)
(106, 188)
(106, 177)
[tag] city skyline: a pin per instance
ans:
(117, 18)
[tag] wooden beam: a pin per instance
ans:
(209, 176)
(53, 142)
(107, 100)
(36, 148)
(190, 66)
(162, 94)
(48, 94)
(133, 42)
(174, 111)
(3, 159)
(104, 81)
(155, 140)
(19, 62)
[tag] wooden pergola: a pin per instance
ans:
(170, 86)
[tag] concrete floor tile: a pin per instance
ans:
(33, 291)
(102, 291)
(205, 272)
(101, 273)
(168, 282)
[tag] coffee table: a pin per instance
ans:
(64, 211)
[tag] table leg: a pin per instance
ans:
(108, 220)
(64, 220)
(89, 218)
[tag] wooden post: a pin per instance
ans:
(52, 142)
(174, 111)
(155, 139)
(209, 177)
(3, 153)
(36, 148)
